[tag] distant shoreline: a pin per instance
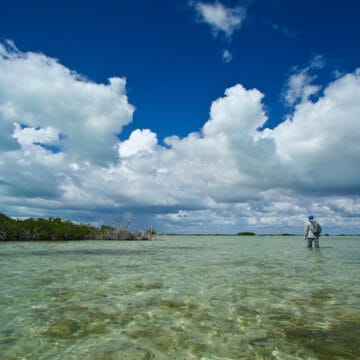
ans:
(56, 229)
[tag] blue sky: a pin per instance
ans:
(220, 108)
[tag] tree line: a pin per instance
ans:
(56, 229)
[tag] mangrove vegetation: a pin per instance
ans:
(56, 229)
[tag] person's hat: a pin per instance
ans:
(311, 217)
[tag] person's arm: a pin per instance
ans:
(306, 232)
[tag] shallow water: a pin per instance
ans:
(181, 297)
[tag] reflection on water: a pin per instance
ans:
(181, 298)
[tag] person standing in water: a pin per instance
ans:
(312, 232)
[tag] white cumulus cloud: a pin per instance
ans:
(37, 91)
(140, 141)
(228, 176)
(221, 18)
(319, 143)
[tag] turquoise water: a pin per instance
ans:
(200, 297)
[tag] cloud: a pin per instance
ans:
(227, 56)
(31, 137)
(228, 177)
(230, 174)
(321, 137)
(220, 18)
(140, 141)
(37, 91)
(299, 86)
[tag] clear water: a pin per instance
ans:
(186, 298)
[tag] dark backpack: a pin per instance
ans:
(316, 228)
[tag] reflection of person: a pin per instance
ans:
(310, 233)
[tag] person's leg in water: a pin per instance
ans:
(309, 243)
(317, 245)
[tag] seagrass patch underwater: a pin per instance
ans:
(181, 297)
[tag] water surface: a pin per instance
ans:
(181, 297)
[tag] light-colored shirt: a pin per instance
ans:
(307, 232)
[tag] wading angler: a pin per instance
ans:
(312, 232)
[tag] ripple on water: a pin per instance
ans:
(339, 341)
(180, 298)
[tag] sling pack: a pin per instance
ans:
(315, 228)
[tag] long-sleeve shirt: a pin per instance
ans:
(307, 232)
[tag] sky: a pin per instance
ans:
(188, 116)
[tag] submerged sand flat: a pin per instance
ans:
(181, 297)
